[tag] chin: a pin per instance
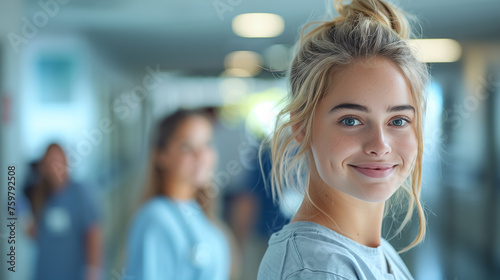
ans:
(201, 181)
(376, 193)
(374, 199)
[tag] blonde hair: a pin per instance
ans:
(363, 30)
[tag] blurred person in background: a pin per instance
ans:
(350, 138)
(66, 225)
(175, 234)
(32, 181)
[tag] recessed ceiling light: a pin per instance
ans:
(436, 50)
(243, 63)
(258, 25)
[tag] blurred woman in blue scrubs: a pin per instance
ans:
(174, 235)
(67, 227)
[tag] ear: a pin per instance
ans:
(299, 135)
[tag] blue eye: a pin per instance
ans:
(350, 121)
(399, 122)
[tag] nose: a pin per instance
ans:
(377, 143)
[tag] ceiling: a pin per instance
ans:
(194, 36)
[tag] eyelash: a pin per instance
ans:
(407, 120)
(341, 121)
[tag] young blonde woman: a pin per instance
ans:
(350, 139)
(173, 235)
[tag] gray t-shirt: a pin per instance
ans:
(306, 250)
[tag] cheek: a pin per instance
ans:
(407, 149)
(179, 161)
(187, 161)
(210, 159)
(330, 150)
(330, 147)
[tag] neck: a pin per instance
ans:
(358, 220)
(177, 190)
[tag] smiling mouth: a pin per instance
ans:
(375, 171)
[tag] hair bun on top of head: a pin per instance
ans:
(371, 11)
(378, 10)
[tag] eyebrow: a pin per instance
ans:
(390, 109)
(401, 108)
(351, 106)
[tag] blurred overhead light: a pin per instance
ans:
(261, 110)
(243, 64)
(258, 25)
(257, 109)
(436, 50)
(236, 72)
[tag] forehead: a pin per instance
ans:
(54, 152)
(193, 127)
(373, 83)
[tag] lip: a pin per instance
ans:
(375, 170)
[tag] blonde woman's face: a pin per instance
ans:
(363, 136)
(190, 156)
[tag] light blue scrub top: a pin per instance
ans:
(171, 239)
(306, 250)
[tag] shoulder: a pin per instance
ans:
(387, 247)
(308, 274)
(81, 192)
(81, 196)
(155, 210)
(397, 265)
(155, 220)
(305, 250)
(77, 189)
